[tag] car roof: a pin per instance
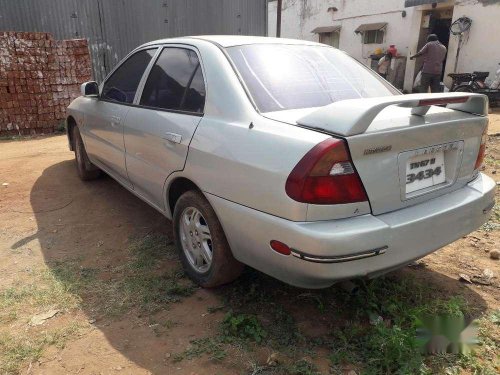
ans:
(235, 40)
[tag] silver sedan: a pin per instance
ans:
(286, 156)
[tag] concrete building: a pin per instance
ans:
(360, 27)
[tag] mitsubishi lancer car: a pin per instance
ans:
(286, 156)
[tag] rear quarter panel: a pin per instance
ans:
(250, 166)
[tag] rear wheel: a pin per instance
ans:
(86, 170)
(202, 245)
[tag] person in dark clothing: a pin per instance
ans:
(434, 54)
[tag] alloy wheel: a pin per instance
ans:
(196, 240)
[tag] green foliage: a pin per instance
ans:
(302, 367)
(242, 326)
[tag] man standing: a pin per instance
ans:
(434, 54)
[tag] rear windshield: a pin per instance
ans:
(281, 76)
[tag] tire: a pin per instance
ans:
(463, 88)
(86, 170)
(193, 216)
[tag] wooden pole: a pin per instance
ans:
(278, 19)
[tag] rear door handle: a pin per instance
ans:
(172, 137)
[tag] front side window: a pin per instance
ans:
(122, 85)
(281, 76)
(175, 82)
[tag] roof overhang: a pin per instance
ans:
(414, 3)
(370, 27)
(326, 29)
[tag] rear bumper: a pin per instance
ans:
(391, 240)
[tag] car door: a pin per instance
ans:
(158, 130)
(103, 130)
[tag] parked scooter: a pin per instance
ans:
(475, 82)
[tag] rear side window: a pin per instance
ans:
(175, 82)
(122, 85)
(281, 76)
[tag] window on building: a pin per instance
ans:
(175, 82)
(331, 39)
(373, 37)
(122, 84)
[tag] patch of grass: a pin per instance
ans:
(302, 367)
(299, 367)
(11, 138)
(495, 317)
(494, 222)
(374, 330)
(211, 346)
(283, 332)
(142, 282)
(388, 344)
(16, 351)
(149, 250)
(242, 326)
(490, 161)
(46, 290)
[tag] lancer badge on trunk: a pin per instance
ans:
(377, 150)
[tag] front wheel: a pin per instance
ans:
(202, 245)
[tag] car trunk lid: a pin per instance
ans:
(404, 151)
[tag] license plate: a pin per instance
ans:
(423, 171)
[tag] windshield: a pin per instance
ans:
(281, 76)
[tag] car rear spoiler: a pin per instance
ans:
(354, 116)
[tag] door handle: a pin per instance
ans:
(115, 121)
(172, 137)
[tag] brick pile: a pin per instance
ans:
(39, 77)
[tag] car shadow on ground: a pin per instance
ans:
(86, 232)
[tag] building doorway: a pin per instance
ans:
(441, 27)
(435, 21)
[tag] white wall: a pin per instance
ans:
(300, 17)
(480, 51)
(481, 47)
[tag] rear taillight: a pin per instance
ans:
(326, 175)
(482, 149)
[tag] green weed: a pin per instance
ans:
(242, 326)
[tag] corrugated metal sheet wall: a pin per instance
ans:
(114, 27)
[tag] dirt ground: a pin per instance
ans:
(50, 219)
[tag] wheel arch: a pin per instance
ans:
(70, 124)
(176, 188)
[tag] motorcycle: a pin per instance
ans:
(475, 82)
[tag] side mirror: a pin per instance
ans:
(89, 89)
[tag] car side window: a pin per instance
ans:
(122, 85)
(175, 82)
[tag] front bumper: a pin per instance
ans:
(391, 240)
